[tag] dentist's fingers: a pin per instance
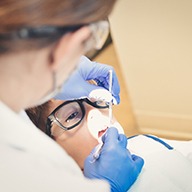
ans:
(123, 140)
(139, 162)
(115, 137)
(111, 135)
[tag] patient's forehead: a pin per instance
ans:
(54, 103)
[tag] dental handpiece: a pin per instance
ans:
(99, 148)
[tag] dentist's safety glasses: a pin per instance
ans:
(99, 33)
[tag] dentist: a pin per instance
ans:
(41, 43)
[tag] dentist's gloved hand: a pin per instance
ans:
(115, 163)
(77, 86)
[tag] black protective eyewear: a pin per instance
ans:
(70, 114)
(40, 32)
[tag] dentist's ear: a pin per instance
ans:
(69, 48)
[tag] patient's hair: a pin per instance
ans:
(38, 115)
(17, 16)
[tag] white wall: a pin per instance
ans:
(153, 40)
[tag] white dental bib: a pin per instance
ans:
(166, 169)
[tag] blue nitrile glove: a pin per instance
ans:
(77, 86)
(115, 163)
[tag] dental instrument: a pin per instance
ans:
(110, 103)
(98, 150)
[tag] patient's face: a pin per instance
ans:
(79, 141)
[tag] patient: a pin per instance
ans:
(76, 125)
(79, 124)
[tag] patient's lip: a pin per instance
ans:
(100, 133)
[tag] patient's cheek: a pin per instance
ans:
(97, 124)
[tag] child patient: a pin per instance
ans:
(78, 125)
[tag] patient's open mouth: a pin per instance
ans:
(100, 133)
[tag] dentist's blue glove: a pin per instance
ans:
(77, 86)
(115, 163)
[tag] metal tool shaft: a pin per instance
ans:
(98, 150)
